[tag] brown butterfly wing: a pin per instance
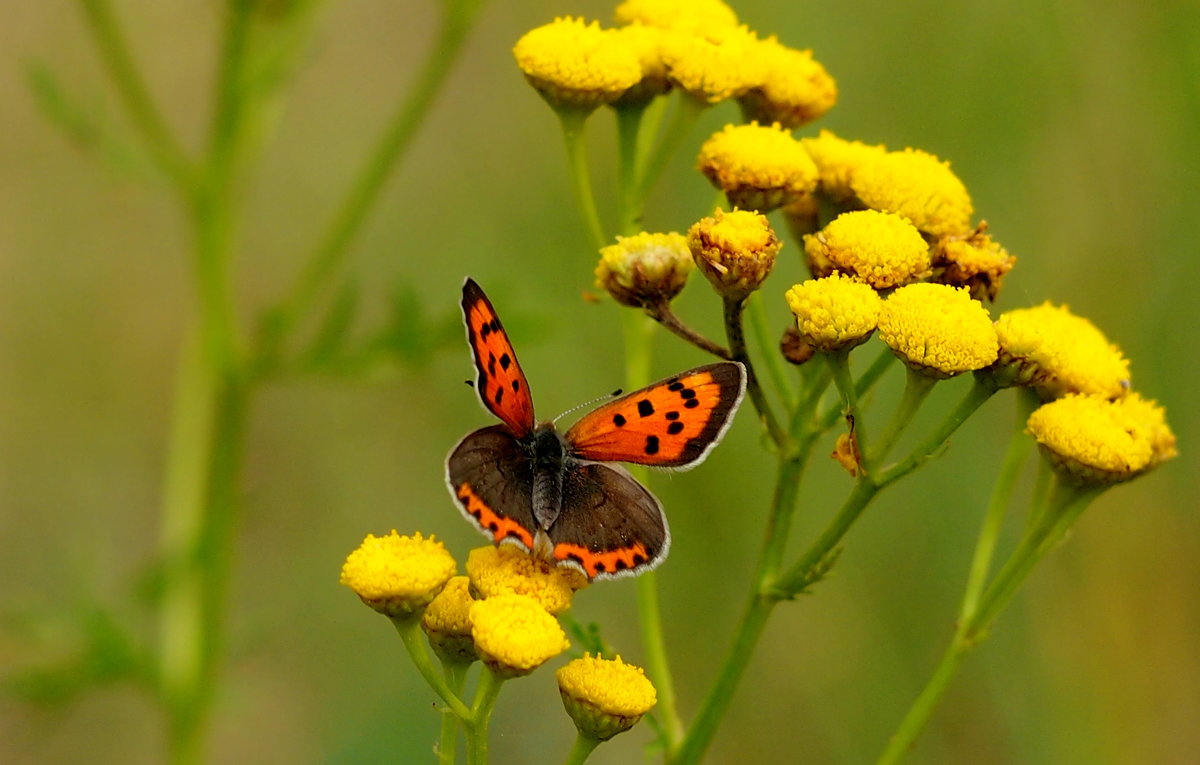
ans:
(491, 480)
(610, 525)
(499, 381)
(673, 423)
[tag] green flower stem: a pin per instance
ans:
(1065, 506)
(663, 314)
(322, 265)
(760, 328)
(629, 123)
(839, 367)
(734, 308)
(583, 748)
(456, 675)
(758, 609)
(638, 329)
(486, 693)
(993, 519)
(414, 640)
(917, 387)
(164, 148)
(882, 363)
(687, 111)
(982, 390)
(573, 122)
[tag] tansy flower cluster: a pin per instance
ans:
(698, 47)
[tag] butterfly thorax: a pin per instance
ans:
(548, 453)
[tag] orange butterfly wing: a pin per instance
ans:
(672, 423)
(499, 381)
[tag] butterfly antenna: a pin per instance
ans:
(587, 404)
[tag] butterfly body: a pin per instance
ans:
(559, 495)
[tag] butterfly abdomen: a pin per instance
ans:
(548, 452)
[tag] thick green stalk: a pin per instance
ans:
(1063, 510)
(687, 111)
(318, 276)
(917, 387)
(486, 693)
(583, 748)
(760, 328)
(456, 675)
(413, 636)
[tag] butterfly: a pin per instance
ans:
(557, 495)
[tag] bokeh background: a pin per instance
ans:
(1076, 127)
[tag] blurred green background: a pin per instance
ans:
(1075, 125)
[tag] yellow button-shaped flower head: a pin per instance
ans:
(447, 622)
(689, 14)
(836, 312)
(605, 696)
(1095, 441)
(398, 576)
(976, 262)
(838, 160)
(515, 635)
(577, 65)
(712, 64)
(1052, 349)
(882, 249)
(918, 186)
(795, 90)
(735, 251)
(507, 570)
(646, 269)
(938, 330)
(758, 168)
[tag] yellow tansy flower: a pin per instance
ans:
(447, 622)
(514, 634)
(735, 251)
(398, 576)
(508, 570)
(976, 262)
(918, 186)
(835, 312)
(795, 89)
(713, 63)
(838, 160)
(645, 269)
(1093, 440)
(882, 249)
(1058, 352)
(605, 697)
(689, 14)
(578, 65)
(758, 168)
(938, 330)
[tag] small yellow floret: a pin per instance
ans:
(758, 167)
(735, 251)
(576, 64)
(795, 89)
(605, 697)
(838, 160)
(398, 575)
(509, 570)
(1148, 421)
(882, 249)
(514, 634)
(1058, 352)
(918, 186)
(645, 269)
(689, 14)
(1091, 439)
(712, 63)
(938, 329)
(835, 312)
